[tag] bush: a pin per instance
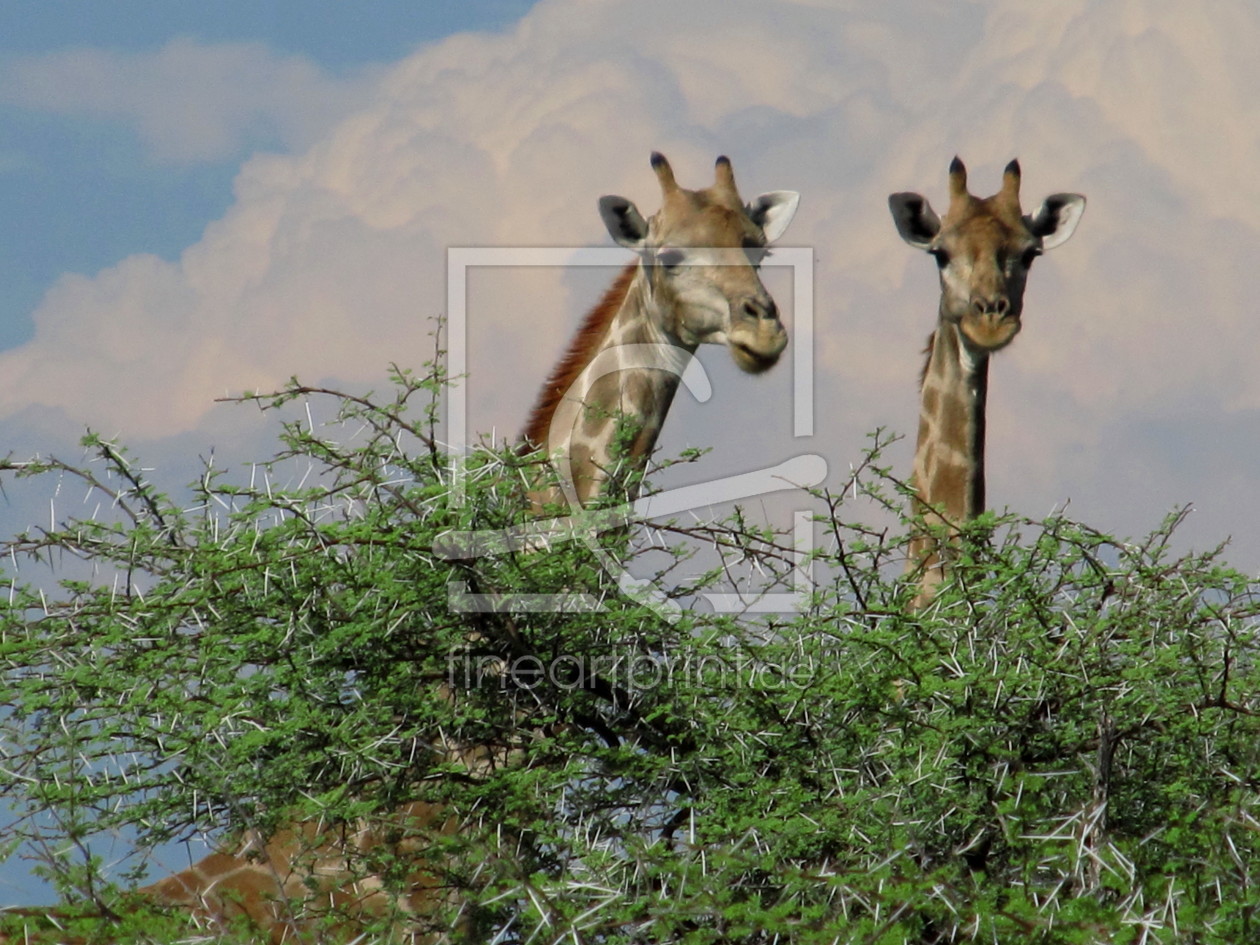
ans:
(1063, 748)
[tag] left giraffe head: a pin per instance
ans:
(700, 254)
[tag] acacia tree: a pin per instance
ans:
(1063, 748)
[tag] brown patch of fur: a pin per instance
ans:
(950, 485)
(581, 350)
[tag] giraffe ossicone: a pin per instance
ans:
(983, 248)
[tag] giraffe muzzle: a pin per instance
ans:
(757, 336)
(990, 324)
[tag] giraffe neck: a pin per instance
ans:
(949, 460)
(280, 884)
(600, 413)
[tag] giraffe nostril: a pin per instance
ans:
(755, 308)
(999, 306)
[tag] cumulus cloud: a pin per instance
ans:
(1139, 332)
(188, 101)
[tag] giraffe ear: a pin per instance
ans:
(1057, 219)
(625, 224)
(916, 221)
(774, 211)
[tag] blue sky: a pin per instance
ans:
(200, 199)
(80, 192)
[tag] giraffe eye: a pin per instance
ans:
(941, 257)
(670, 258)
(1030, 254)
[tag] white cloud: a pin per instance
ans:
(188, 101)
(331, 259)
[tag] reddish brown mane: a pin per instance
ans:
(581, 348)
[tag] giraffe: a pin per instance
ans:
(983, 249)
(695, 281)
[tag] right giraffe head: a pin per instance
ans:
(984, 248)
(700, 256)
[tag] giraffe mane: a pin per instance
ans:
(581, 349)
